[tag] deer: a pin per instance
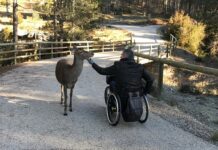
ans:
(67, 73)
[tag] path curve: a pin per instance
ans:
(32, 118)
(145, 34)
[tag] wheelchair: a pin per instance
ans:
(113, 107)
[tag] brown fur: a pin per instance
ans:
(67, 72)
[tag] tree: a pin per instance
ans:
(76, 13)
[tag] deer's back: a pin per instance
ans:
(62, 70)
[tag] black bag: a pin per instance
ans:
(134, 108)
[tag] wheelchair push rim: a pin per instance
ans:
(113, 109)
(106, 93)
(144, 116)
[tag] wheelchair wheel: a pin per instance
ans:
(106, 93)
(145, 113)
(113, 109)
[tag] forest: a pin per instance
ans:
(71, 19)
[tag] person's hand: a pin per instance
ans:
(90, 61)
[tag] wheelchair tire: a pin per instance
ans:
(106, 93)
(145, 113)
(113, 109)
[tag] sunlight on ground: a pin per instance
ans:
(107, 34)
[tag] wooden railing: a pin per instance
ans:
(152, 49)
(177, 64)
(13, 53)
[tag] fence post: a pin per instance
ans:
(103, 47)
(70, 48)
(158, 51)
(87, 46)
(35, 51)
(160, 79)
(131, 39)
(138, 50)
(150, 50)
(52, 55)
(113, 46)
(167, 50)
(39, 46)
(15, 53)
(171, 48)
(174, 46)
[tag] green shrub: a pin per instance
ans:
(6, 35)
(75, 34)
(189, 32)
(215, 136)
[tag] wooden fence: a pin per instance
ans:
(13, 53)
(162, 61)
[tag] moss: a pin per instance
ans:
(215, 136)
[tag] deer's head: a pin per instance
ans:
(82, 54)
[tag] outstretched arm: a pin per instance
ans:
(103, 71)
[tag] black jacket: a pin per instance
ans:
(128, 75)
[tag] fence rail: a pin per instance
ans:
(12, 53)
(177, 64)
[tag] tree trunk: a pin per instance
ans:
(189, 6)
(62, 28)
(15, 38)
(55, 22)
(148, 7)
(165, 7)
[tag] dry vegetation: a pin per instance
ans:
(194, 93)
(188, 31)
(190, 82)
(108, 34)
(158, 21)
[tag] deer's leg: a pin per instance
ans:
(62, 94)
(71, 94)
(65, 101)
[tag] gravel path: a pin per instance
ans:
(32, 118)
(144, 34)
(148, 33)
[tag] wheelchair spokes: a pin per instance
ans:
(113, 109)
(145, 113)
(106, 93)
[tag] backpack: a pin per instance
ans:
(134, 108)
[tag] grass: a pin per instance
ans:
(215, 136)
(126, 19)
(158, 21)
(107, 34)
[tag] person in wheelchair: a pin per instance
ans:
(125, 76)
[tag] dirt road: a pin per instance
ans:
(32, 118)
